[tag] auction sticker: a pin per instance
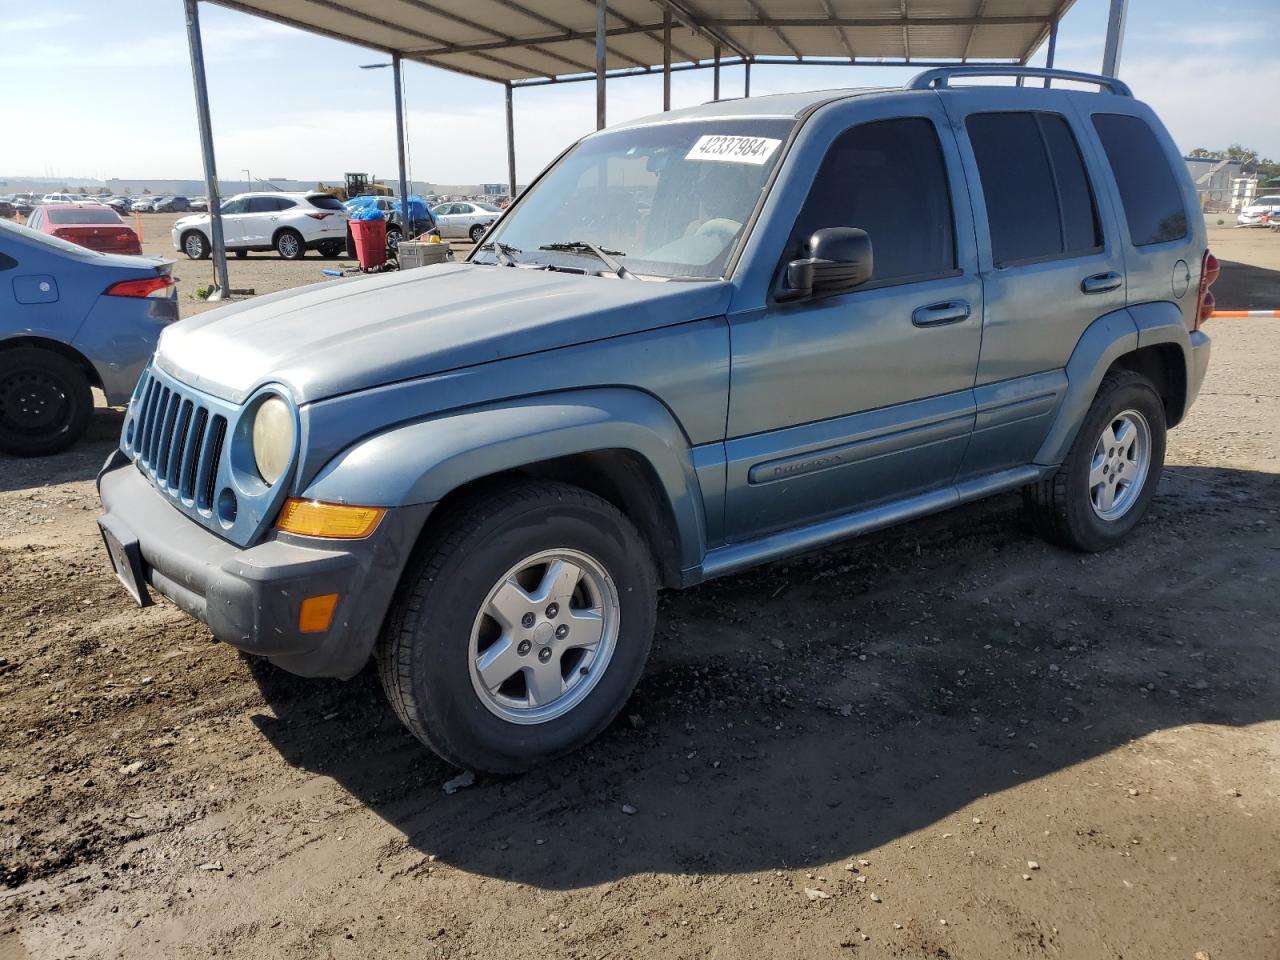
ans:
(730, 149)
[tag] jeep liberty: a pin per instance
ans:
(698, 342)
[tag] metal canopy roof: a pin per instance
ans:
(537, 41)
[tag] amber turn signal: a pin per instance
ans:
(316, 613)
(337, 521)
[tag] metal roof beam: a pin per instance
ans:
(510, 41)
(692, 18)
(982, 5)
(875, 21)
(587, 35)
(844, 39)
(777, 31)
(567, 33)
(906, 38)
(627, 21)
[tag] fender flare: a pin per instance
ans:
(1105, 340)
(423, 461)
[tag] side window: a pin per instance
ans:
(1148, 189)
(889, 178)
(282, 203)
(233, 206)
(1039, 202)
(260, 205)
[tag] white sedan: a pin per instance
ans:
(288, 223)
(465, 219)
(1252, 215)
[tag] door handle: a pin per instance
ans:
(1101, 282)
(937, 314)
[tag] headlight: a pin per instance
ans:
(272, 438)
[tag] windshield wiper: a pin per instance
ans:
(506, 253)
(605, 256)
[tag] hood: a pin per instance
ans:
(334, 338)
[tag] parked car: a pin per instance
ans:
(1263, 207)
(92, 225)
(22, 205)
(120, 205)
(71, 319)
(7, 210)
(199, 203)
(289, 223)
(887, 303)
(172, 205)
(57, 198)
(143, 205)
(465, 219)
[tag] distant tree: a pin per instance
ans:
(1200, 153)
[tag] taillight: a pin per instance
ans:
(1209, 270)
(64, 234)
(319, 216)
(150, 287)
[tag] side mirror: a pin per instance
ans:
(839, 259)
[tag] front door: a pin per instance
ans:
(863, 398)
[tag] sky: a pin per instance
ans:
(102, 88)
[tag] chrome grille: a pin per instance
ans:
(177, 439)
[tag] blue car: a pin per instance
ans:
(71, 319)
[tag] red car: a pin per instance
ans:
(92, 225)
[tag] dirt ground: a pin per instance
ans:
(946, 741)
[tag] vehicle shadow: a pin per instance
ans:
(819, 707)
(81, 462)
(1242, 286)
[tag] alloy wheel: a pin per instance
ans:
(1120, 464)
(544, 636)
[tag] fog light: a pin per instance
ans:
(337, 521)
(316, 613)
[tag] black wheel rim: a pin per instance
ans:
(34, 403)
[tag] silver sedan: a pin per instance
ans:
(465, 219)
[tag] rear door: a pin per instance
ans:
(1163, 245)
(1048, 266)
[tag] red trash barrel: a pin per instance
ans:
(370, 237)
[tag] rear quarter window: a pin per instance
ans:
(326, 203)
(1148, 188)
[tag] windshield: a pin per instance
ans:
(669, 200)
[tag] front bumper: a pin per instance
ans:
(250, 598)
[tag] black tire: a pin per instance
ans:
(290, 245)
(1061, 506)
(241, 254)
(394, 236)
(424, 649)
(332, 248)
(477, 233)
(195, 245)
(45, 402)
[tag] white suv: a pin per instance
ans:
(288, 223)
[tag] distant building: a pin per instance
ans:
(1214, 179)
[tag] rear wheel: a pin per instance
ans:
(45, 402)
(290, 246)
(522, 629)
(394, 236)
(241, 254)
(1105, 486)
(477, 233)
(332, 248)
(194, 245)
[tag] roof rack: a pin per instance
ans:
(939, 78)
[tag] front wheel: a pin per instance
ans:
(45, 402)
(477, 233)
(1105, 486)
(195, 246)
(290, 246)
(394, 236)
(522, 629)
